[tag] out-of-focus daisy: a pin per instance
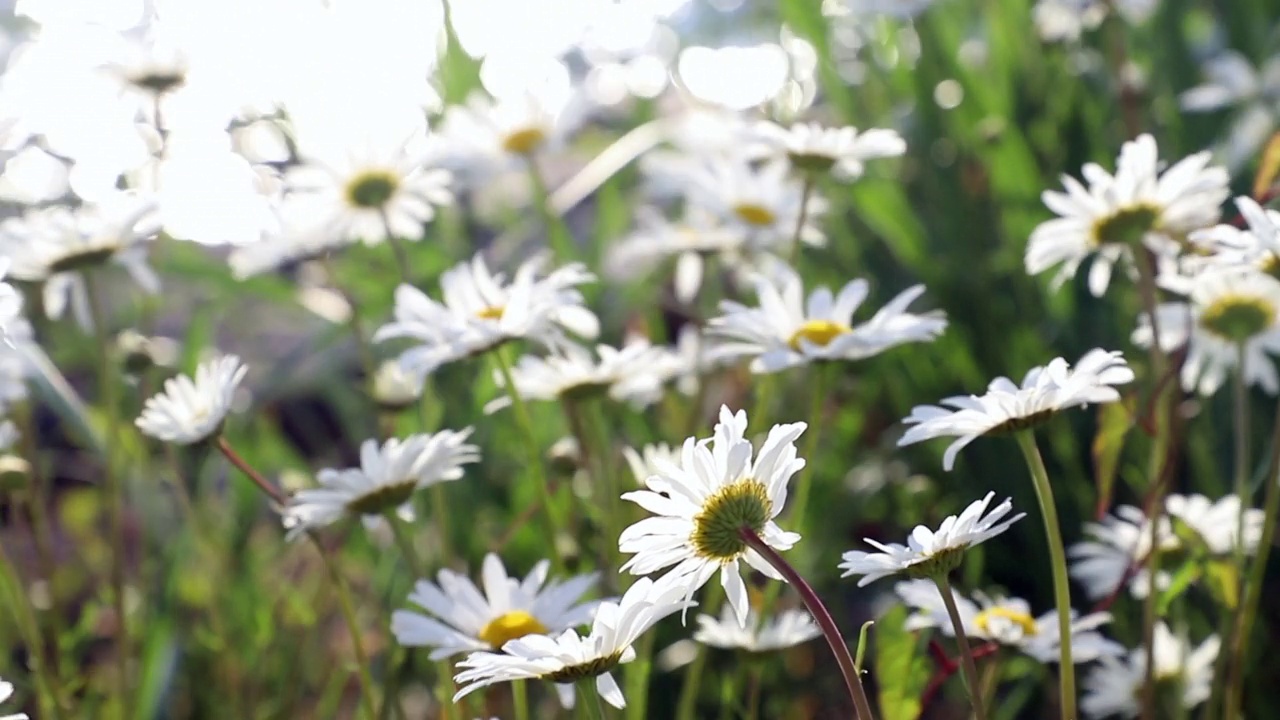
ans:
(394, 388)
(1216, 521)
(650, 460)
(366, 193)
(6, 691)
(10, 299)
(387, 478)
(786, 331)
(1137, 208)
(189, 411)
(1007, 621)
(1229, 311)
(903, 9)
(1114, 688)
(1007, 407)
(701, 505)
(486, 136)
(762, 206)
(480, 310)
(630, 374)
(929, 553)
(1117, 546)
(1256, 246)
(690, 241)
(461, 618)
(759, 635)
(1231, 80)
(813, 149)
(569, 657)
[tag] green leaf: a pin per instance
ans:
(1114, 422)
(901, 670)
(1185, 577)
(1268, 167)
(1224, 582)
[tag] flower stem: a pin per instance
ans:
(520, 698)
(535, 455)
(404, 540)
(814, 432)
(271, 491)
(852, 681)
(113, 486)
(590, 699)
(687, 705)
(1251, 590)
(637, 678)
(966, 654)
(24, 617)
(353, 626)
(558, 236)
(801, 216)
(1058, 564)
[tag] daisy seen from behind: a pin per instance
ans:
(1139, 208)
(632, 373)
(1114, 687)
(461, 617)
(786, 330)
(816, 150)
(570, 657)
(190, 410)
(782, 630)
(702, 505)
(388, 476)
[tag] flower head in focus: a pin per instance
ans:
(929, 553)
(1114, 688)
(1007, 621)
(569, 657)
(702, 505)
(189, 411)
(1008, 407)
(814, 150)
(786, 331)
(785, 629)
(388, 476)
(461, 618)
(1137, 207)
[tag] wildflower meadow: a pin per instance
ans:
(672, 359)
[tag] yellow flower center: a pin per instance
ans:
(717, 528)
(524, 141)
(372, 188)
(1126, 226)
(1237, 317)
(755, 214)
(817, 332)
(491, 313)
(1021, 619)
(510, 626)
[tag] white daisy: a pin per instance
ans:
(10, 300)
(785, 331)
(386, 480)
(701, 505)
(1227, 309)
(486, 136)
(1256, 246)
(630, 374)
(569, 657)
(1217, 522)
(1138, 207)
(6, 691)
(650, 460)
(1007, 621)
(461, 618)
(1253, 92)
(928, 553)
(759, 635)
(1115, 687)
(394, 388)
(761, 206)
(811, 148)
(480, 310)
(367, 192)
(188, 411)
(690, 241)
(1118, 546)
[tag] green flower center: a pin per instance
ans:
(83, 260)
(372, 188)
(1126, 226)
(524, 141)
(717, 528)
(574, 673)
(817, 332)
(1015, 424)
(755, 214)
(940, 563)
(1017, 617)
(510, 626)
(383, 498)
(815, 163)
(1237, 318)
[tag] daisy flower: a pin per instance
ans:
(630, 374)
(569, 657)
(786, 331)
(1007, 621)
(689, 240)
(761, 206)
(189, 411)
(1114, 688)
(650, 459)
(813, 149)
(394, 389)
(10, 299)
(1008, 407)
(1257, 245)
(481, 310)
(701, 505)
(1252, 92)
(1116, 546)
(1138, 207)
(388, 476)
(1216, 522)
(365, 193)
(928, 553)
(486, 136)
(1228, 311)
(6, 691)
(461, 618)
(759, 635)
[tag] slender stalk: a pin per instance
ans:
(590, 699)
(966, 653)
(558, 235)
(802, 216)
(637, 678)
(277, 496)
(24, 616)
(404, 541)
(754, 681)
(535, 455)
(113, 486)
(805, 481)
(1251, 586)
(852, 681)
(1058, 564)
(398, 248)
(353, 626)
(687, 705)
(520, 698)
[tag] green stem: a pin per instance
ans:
(404, 540)
(805, 481)
(754, 681)
(1058, 564)
(590, 699)
(399, 250)
(687, 705)
(24, 616)
(805, 192)
(1251, 588)
(966, 653)
(113, 486)
(523, 417)
(558, 235)
(520, 698)
(637, 678)
(852, 681)
(353, 626)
